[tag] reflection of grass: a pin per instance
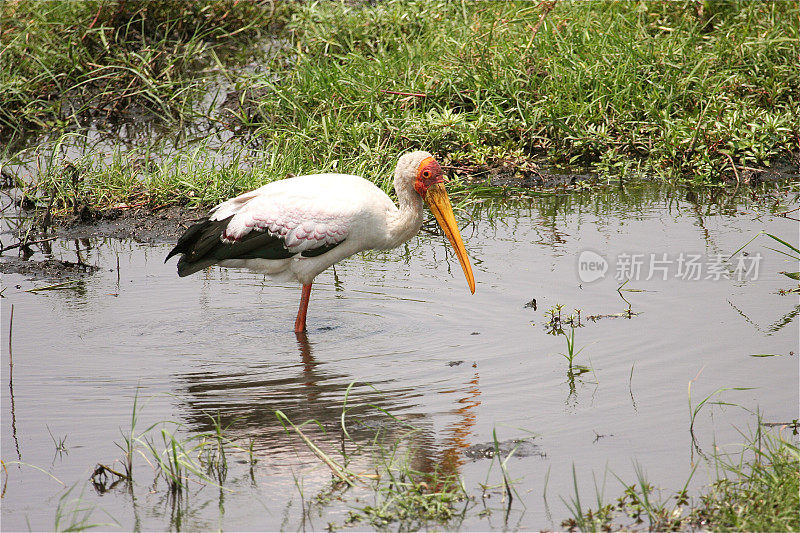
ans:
(791, 252)
(59, 443)
(199, 457)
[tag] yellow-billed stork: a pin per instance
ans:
(295, 228)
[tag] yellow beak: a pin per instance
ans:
(439, 204)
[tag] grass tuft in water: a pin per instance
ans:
(406, 498)
(213, 455)
(412, 500)
(754, 495)
(199, 457)
(59, 443)
(757, 489)
(555, 326)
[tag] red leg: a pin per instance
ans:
(300, 323)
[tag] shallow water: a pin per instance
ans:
(402, 327)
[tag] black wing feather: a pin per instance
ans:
(202, 246)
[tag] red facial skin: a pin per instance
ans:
(428, 173)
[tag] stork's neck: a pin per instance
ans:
(407, 220)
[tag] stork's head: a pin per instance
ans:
(421, 169)
(418, 170)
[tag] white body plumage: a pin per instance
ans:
(297, 227)
(314, 210)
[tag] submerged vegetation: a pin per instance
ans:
(703, 90)
(755, 489)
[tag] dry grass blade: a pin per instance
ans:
(339, 471)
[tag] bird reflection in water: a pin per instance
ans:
(247, 400)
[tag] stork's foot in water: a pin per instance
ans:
(300, 322)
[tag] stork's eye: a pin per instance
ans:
(426, 174)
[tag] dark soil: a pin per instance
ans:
(47, 269)
(141, 225)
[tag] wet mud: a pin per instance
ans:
(46, 269)
(140, 225)
(22, 245)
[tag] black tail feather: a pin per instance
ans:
(202, 246)
(197, 245)
(188, 239)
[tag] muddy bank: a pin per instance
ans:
(23, 247)
(142, 225)
(47, 269)
(34, 229)
(541, 174)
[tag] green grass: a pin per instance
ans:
(67, 63)
(755, 490)
(601, 82)
(411, 501)
(176, 455)
(756, 494)
(696, 90)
